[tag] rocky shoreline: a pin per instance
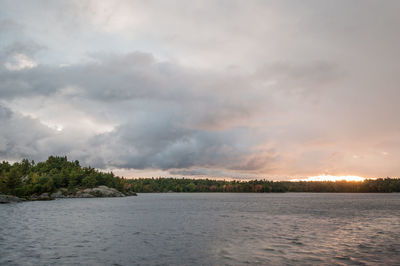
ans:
(97, 192)
(9, 199)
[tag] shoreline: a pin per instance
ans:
(97, 192)
(5, 199)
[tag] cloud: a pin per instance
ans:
(163, 145)
(220, 88)
(15, 140)
(133, 111)
(159, 123)
(19, 62)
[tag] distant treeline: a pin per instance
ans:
(209, 185)
(26, 178)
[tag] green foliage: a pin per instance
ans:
(89, 181)
(207, 185)
(13, 181)
(26, 178)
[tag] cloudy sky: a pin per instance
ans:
(275, 89)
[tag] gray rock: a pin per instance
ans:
(43, 196)
(130, 193)
(101, 192)
(57, 195)
(81, 194)
(9, 199)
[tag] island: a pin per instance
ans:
(57, 178)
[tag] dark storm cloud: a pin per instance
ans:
(20, 136)
(161, 124)
(170, 117)
(163, 145)
(207, 98)
(28, 82)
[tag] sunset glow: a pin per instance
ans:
(331, 178)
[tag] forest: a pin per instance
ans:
(208, 185)
(26, 178)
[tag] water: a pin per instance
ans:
(204, 229)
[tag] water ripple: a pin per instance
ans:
(204, 229)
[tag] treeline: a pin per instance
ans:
(26, 178)
(208, 185)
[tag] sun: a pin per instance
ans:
(331, 178)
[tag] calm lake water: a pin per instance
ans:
(204, 229)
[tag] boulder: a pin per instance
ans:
(81, 194)
(43, 196)
(103, 191)
(100, 191)
(9, 199)
(57, 195)
(130, 193)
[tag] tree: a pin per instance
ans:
(89, 181)
(13, 181)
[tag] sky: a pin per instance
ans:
(224, 88)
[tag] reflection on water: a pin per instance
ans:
(206, 229)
